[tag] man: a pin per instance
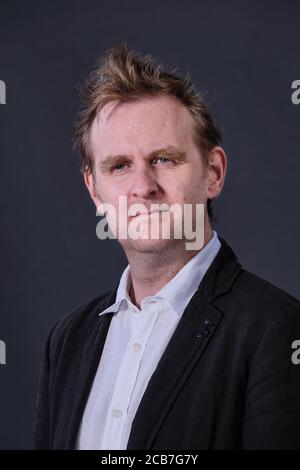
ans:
(189, 350)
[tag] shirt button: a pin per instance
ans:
(136, 347)
(116, 413)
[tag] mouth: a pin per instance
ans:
(147, 213)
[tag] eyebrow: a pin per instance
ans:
(170, 150)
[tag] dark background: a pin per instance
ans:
(243, 55)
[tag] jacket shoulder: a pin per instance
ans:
(80, 319)
(257, 289)
(257, 301)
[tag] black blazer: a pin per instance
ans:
(225, 381)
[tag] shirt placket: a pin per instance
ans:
(127, 377)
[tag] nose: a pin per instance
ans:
(144, 185)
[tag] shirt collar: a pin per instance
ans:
(180, 289)
(122, 296)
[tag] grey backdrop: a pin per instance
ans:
(243, 55)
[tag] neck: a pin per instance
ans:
(151, 271)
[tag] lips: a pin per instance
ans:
(148, 212)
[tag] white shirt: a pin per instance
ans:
(135, 342)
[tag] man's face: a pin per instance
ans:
(144, 150)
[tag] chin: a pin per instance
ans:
(148, 246)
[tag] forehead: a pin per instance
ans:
(141, 125)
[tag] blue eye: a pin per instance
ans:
(117, 167)
(163, 158)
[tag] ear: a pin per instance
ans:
(217, 167)
(89, 180)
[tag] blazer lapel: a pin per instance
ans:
(192, 335)
(90, 357)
